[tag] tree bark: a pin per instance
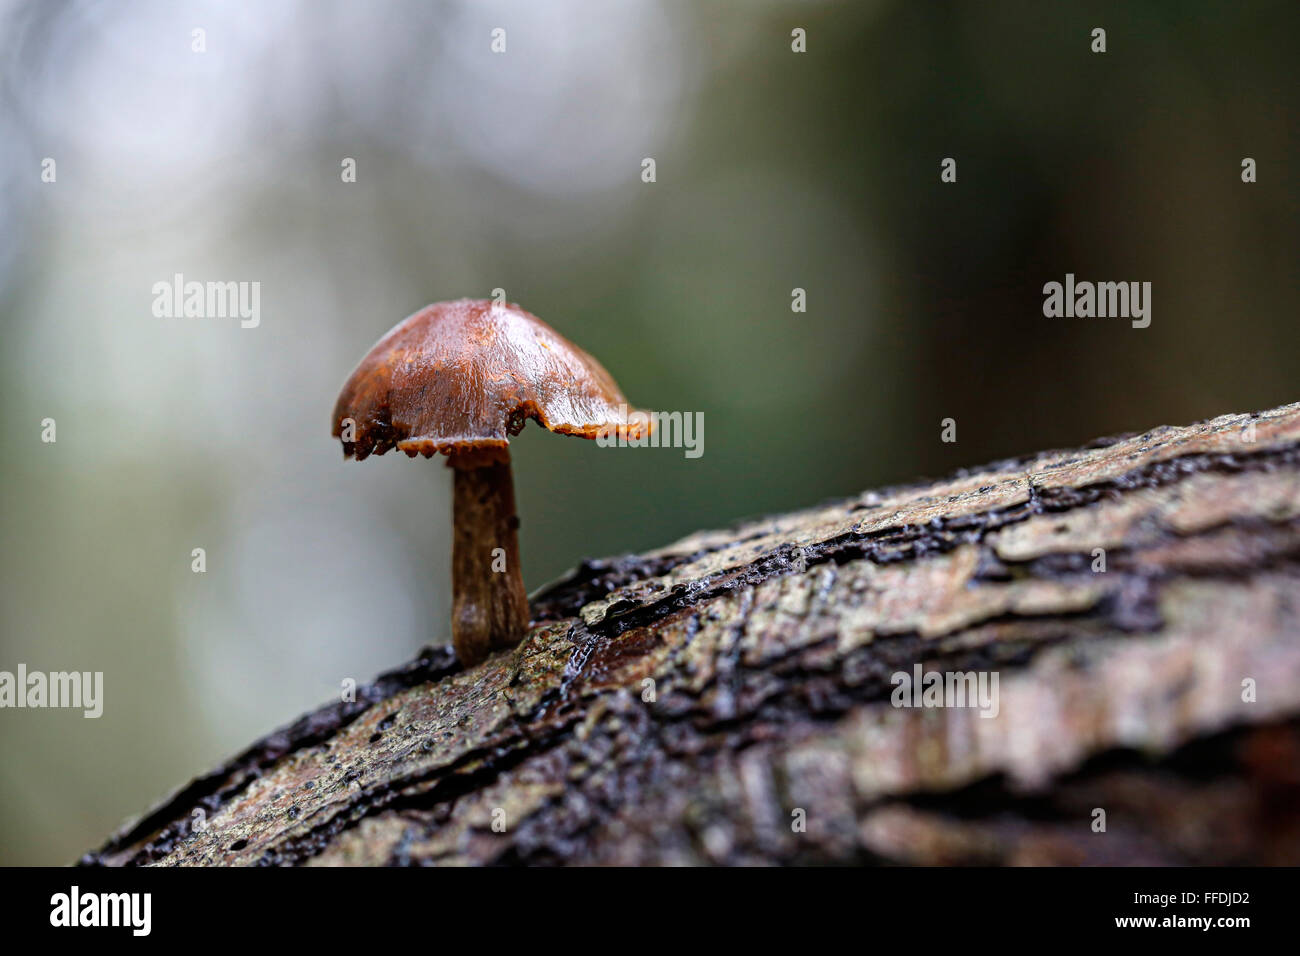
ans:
(731, 698)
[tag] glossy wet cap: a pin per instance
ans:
(459, 378)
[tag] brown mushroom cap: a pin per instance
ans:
(461, 377)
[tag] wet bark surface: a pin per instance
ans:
(730, 698)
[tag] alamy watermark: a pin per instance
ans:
(1086, 300)
(132, 911)
(57, 689)
(655, 430)
(179, 299)
(977, 689)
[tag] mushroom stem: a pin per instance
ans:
(489, 606)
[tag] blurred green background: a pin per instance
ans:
(522, 171)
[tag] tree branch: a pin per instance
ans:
(729, 698)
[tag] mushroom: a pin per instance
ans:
(458, 379)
